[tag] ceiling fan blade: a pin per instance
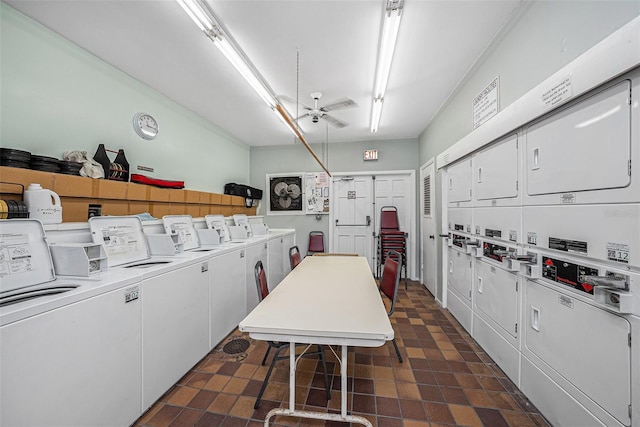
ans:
(292, 101)
(308, 113)
(342, 103)
(337, 123)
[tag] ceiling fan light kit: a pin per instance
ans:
(390, 28)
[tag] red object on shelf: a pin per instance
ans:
(141, 179)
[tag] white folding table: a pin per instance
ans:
(329, 300)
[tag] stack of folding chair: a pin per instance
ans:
(391, 238)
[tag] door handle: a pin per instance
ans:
(431, 236)
(368, 223)
(535, 318)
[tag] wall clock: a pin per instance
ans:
(145, 125)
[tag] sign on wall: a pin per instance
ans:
(317, 192)
(486, 104)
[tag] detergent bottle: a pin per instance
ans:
(43, 204)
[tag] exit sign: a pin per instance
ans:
(371, 154)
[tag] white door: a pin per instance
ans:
(396, 190)
(352, 216)
(428, 227)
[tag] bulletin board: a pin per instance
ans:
(316, 190)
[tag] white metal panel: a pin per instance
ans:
(501, 350)
(499, 223)
(459, 183)
(227, 300)
(558, 406)
(175, 327)
(496, 298)
(460, 220)
(459, 274)
(584, 147)
(606, 232)
(586, 345)
(275, 258)
(79, 365)
(460, 310)
(495, 172)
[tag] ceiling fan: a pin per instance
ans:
(316, 113)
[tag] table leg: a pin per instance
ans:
(292, 412)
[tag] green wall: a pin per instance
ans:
(342, 157)
(56, 97)
(543, 37)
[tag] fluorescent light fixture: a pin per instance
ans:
(246, 70)
(206, 21)
(195, 12)
(282, 119)
(376, 112)
(390, 27)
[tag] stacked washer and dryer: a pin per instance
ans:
(543, 253)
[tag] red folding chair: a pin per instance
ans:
(316, 242)
(294, 256)
(389, 285)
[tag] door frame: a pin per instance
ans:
(411, 271)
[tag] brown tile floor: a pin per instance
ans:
(446, 379)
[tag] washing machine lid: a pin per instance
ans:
(242, 220)
(183, 226)
(122, 237)
(25, 259)
(218, 223)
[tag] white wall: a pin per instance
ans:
(542, 38)
(57, 97)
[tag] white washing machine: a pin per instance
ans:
(55, 332)
(175, 302)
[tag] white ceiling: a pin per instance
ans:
(157, 43)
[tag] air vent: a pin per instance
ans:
(427, 195)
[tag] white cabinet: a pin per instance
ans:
(585, 147)
(175, 327)
(78, 365)
(275, 266)
(459, 281)
(459, 183)
(459, 274)
(495, 173)
(496, 298)
(584, 345)
(227, 293)
(255, 251)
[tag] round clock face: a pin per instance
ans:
(145, 125)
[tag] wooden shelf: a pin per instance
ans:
(119, 198)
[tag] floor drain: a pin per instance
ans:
(236, 346)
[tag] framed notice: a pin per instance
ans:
(285, 194)
(486, 104)
(316, 190)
